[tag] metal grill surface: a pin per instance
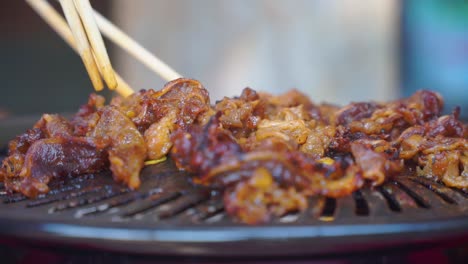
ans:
(170, 216)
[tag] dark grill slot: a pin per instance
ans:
(390, 199)
(362, 208)
(100, 198)
(442, 192)
(86, 199)
(150, 203)
(185, 202)
(56, 198)
(404, 201)
(430, 196)
(105, 206)
(421, 202)
(328, 211)
(116, 202)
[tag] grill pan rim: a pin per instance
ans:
(220, 240)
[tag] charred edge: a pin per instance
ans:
(328, 210)
(417, 199)
(67, 188)
(158, 202)
(436, 190)
(58, 187)
(392, 201)
(362, 208)
(66, 184)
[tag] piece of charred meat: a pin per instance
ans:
(119, 137)
(270, 153)
(267, 154)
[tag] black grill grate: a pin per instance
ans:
(167, 202)
(166, 194)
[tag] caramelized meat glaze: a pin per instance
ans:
(267, 154)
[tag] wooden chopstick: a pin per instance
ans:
(85, 11)
(55, 20)
(112, 32)
(81, 40)
(134, 48)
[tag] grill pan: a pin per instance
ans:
(170, 216)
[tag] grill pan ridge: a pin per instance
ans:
(170, 216)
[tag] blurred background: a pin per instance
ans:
(334, 51)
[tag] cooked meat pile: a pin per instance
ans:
(268, 154)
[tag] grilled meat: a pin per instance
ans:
(268, 154)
